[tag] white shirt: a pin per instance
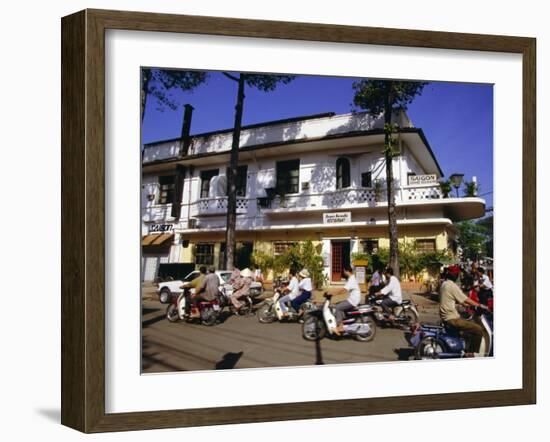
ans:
(293, 289)
(305, 284)
(394, 289)
(486, 282)
(354, 292)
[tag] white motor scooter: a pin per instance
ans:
(358, 322)
(271, 310)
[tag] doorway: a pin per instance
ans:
(340, 253)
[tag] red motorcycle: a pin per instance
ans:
(182, 309)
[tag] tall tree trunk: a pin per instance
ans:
(146, 75)
(392, 219)
(230, 239)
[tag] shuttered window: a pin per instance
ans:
(342, 173)
(204, 253)
(288, 177)
(206, 176)
(240, 184)
(425, 245)
(167, 189)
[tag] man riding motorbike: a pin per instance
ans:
(352, 301)
(391, 292)
(292, 292)
(241, 286)
(306, 290)
(196, 283)
(450, 295)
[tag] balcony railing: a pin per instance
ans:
(217, 206)
(353, 197)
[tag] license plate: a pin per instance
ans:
(216, 307)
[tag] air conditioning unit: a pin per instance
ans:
(193, 223)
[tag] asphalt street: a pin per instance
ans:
(243, 342)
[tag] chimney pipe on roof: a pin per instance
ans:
(185, 130)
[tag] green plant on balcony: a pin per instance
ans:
(446, 188)
(470, 188)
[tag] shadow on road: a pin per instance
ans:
(318, 353)
(229, 360)
(404, 353)
(153, 320)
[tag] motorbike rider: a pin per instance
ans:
(391, 292)
(207, 290)
(450, 295)
(197, 282)
(306, 289)
(375, 282)
(241, 286)
(352, 301)
(292, 291)
(485, 286)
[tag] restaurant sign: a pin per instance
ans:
(161, 228)
(337, 218)
(422, 179)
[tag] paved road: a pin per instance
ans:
(242, 342)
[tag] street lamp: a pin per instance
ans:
(456, 181)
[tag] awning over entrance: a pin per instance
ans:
(157, 240)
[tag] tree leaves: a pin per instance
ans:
(159, 83)
(267, 82)
(371, 95)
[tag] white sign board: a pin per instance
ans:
(360, 274)
(422, 179)
(337, 218)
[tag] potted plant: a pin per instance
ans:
(360, 259)
(470, 188)
(446, 188)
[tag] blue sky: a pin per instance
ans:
(457, 118)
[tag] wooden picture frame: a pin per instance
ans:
(83, 218)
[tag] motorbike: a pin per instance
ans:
(469, 312)
(445, 342)
(246, 300)
(271, 311)
(358, 323)
(180, 309)
(404, 314)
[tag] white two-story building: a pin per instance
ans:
(319, 177)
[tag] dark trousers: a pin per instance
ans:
(473, 330)
(300, 299)
(388, 304)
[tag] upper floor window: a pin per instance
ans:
(366, 179)
(240, 183)
(167, 189)
(425, 245)
(288, 177)
(281, 247)
(342, 173)
(206, 176)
